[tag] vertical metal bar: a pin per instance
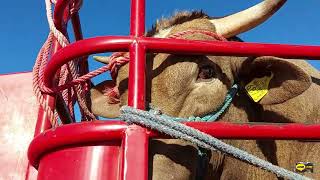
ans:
(83, 61)
(76, 25)
(43, 122)
(137, 56)
(137, 19)
(135, 142)
(135, 154)
(136, 94)
(83, 64)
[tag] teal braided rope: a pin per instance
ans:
(209, 117)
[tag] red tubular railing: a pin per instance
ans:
(87, 132)
(136, 152)
(122, 43)
(135, 138)
(139, 44)
(230, 48)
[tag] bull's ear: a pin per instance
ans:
(105, 100)
(288, 80)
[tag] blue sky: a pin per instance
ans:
(24, 25)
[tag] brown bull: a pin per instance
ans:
(184, 86)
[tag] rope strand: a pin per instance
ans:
(178, 130)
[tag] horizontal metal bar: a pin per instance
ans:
(283, 131)
(99, 131)
(71, 134)
(121, 43)
(229, 48)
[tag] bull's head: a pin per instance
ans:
(196, 85)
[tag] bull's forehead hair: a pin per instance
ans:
(178, 18)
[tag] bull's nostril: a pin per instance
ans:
(206, 72)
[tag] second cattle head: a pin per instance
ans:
(195, 85)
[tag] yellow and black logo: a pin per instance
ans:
(304, 167)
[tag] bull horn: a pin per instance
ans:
(102, 59)
(247, 19)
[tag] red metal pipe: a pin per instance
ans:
(137, 56)
(83, 64)
(72, 134)
(226, 130)
(137, 18)
(100, 131)
(76, 25)
(135, 154)
(136, 89)
(61, 14)
(229, 48)
(61, 17)
(84, 48)
(122, 43)
(43, 122)
(96, 161)
(136, 140)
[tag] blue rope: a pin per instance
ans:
(178, 130)
(209, 117)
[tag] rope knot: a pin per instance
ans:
(117, 60)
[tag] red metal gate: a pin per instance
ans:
(114, 150)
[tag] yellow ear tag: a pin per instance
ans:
(258, 87)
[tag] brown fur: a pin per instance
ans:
(178, 18)
(294, 96)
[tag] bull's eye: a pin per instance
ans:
(206, 72)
